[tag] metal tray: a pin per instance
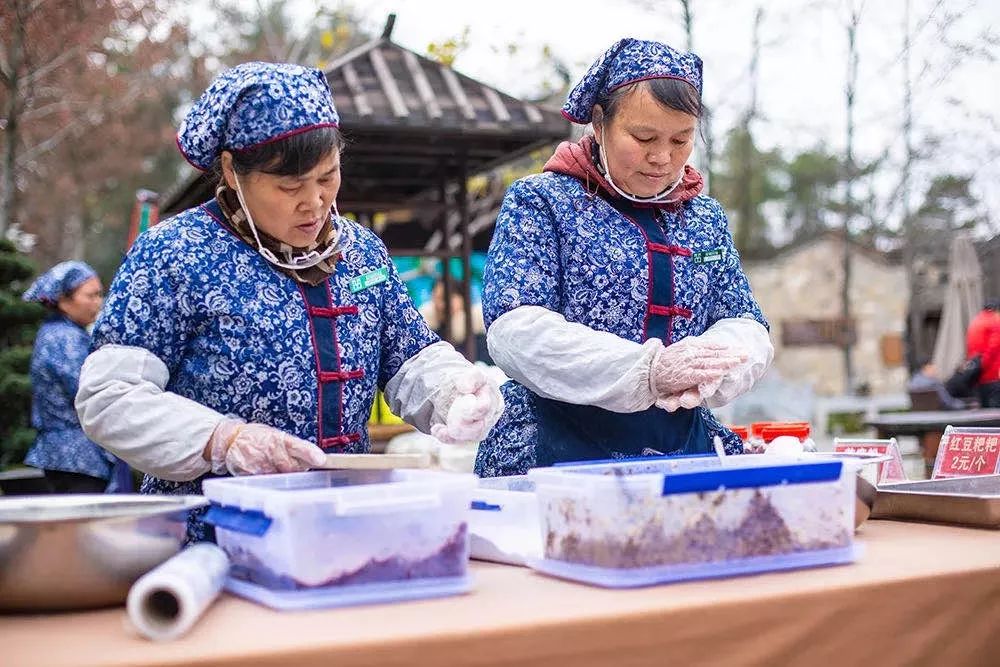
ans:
(968, 501)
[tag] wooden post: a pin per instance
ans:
(445, 317)
(463, 210)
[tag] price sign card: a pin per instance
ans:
(889, 472)
(967, 452)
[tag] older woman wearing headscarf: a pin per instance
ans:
(72, 463)
(613, 294)
(249, 334)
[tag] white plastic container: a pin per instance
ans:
(504, 523)
(655, 520)
(316, 539)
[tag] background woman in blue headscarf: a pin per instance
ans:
(613, 294)
(72, 463)
(248, 335)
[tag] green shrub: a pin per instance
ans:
(18, 324)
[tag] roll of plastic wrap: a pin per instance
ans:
(165, 602)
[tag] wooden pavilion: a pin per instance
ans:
(416, 131)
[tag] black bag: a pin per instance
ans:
(963, 382)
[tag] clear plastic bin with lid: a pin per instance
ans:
(654, 520)
(337, 530)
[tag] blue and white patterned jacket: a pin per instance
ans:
(575, 253)
(246, 340)
(60, 349)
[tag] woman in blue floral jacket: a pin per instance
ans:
(72, 463)
(613, 293)
(249, 334)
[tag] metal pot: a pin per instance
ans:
(81, 551)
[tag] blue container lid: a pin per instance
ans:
(705, 478)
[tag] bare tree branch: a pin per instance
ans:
(36, 5)
(42, 71)
(37, 113)
(7, 72)
(81, 123)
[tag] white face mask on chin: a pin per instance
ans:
(660, 198)
(293, 262)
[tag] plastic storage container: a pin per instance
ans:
(337, 537)
(651, 521)
(504, 523)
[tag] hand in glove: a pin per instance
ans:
(748, 338)
(254, 449)
(688, 364)
(470, 405)
(689, 398)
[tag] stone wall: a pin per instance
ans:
(805, 283)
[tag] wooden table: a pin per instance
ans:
(929, 426)
(896, 606)
(917, 423)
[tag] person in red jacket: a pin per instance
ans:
(983, 339)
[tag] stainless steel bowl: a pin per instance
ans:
(80, 551)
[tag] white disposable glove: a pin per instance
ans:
(741, 337)
(750, 339)
(255, 449)
(689, 398)
(688, 364)
(471, 405)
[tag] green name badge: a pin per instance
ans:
(709, 256)
(369, 279)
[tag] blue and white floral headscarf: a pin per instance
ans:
(58, 281)
(252, 104)
(628, 61)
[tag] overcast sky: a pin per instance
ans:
(803, 66)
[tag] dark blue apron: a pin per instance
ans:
(568, 432)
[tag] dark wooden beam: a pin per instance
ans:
(457, 93)
(375, 206)
(390, 23)
(423, 86)
(357, 90)
(357, 180)
(445, 317)
(463, 211)
(420, 252)
(496, 105)
(388, 84)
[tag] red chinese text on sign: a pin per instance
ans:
(968, 453)
(889, 472)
